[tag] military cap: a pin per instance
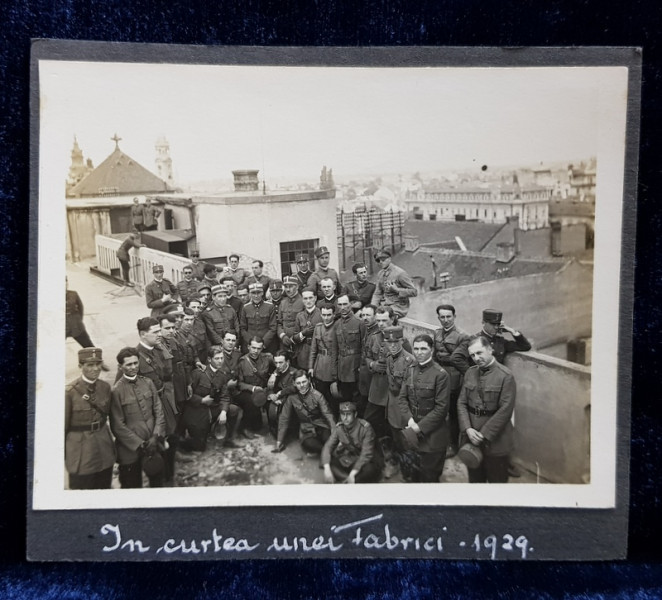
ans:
(393, 334)
(204, 286)
(90, 355)
(218, 288)
(259, 398)
(382, 252)
(276, 284)
(157, 269)
(195, 254)
(470, 455)
(321, 251)
(173, 309)
(289, 280)
(347, 407)
(255, 287)
(153, 465)
(302, 258)
(492, 316)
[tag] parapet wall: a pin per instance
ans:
(552, 412)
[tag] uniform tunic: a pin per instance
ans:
(198, 270)
(265, 280)
(324, 353)
(397, 368)
(218, 321)
(311, 409)
(375, 351)
(445, 343)
(303, 279)
(287, 314)
(486, 403)
(397, 300)
(137, 216)
(349, 335)
(360, 292)
(210, 382)
(136, 414)
(425, 396)
(500, 345)
(353, 447)
(186, 289)
(304, 327)
(154, 291)
(89, 447)
(258, 320)
(238, 275)
(151, 214)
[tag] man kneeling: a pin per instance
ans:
(315, 419)
(349, 455)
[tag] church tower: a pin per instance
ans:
(79, 168)
(163, 161)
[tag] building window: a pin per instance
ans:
(289, 252)
(433, 217)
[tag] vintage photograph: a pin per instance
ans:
(327, 285)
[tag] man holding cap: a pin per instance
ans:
(349, 454)
(89, 451)
(258, 319)
(233, 271)
(219, 317)
(253, 373)
(484, 409)
(394, 286)
(304, 327)
(160, 292)
(323, 271)
(137, 422)
(303, 271)
(424, 400)
(290, 306)
(493, 325)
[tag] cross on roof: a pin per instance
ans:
(116, 139)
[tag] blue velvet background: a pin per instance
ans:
(353, 23)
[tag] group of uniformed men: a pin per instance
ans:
(322, 361)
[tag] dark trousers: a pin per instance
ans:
(347, 390)
(252, 418)
(453, 422)
(324, 387)
(94, 481)
(131, 476)
(198, 421)
(376, 416)
(493, 469)
(432, 466)
(314, 444)
(369, 473)
(151, 227)
(84, 340)
(126, 267)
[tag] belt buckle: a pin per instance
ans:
(96, 426)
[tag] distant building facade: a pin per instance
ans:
(164, 162)
(496, 204)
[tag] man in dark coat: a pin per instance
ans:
(290, 306)
(160, 292)
(74, 326)
(424, 400)
(122, 254)
(259, 319)
(89, 450)
(304, 327)
(360, 290)
(323, 271)
(350, 332)
(303, 272)
(484, 409)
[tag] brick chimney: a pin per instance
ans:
(245, 180)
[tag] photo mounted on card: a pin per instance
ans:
(330, 302)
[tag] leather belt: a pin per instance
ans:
(92, 427)
(480, 412)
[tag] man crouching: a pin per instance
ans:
(349, 455)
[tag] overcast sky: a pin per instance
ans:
(291, 121)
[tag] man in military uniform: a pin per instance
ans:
(394, 286)
(210, 275)
(280, 386)
(209, 402)
(323, 360)
(233, 271)
(423, 401)
(259, 319)
(304, 326)
(303, 271)
(150, 216)
(204, 291)
(276, 293)
(74, 325)
(315, 419)
(219, 317)
(446, 339)
(89, 450)
(160, 292)
(290, 306)
(349, 335)
(192, 339)
(187, 287)
(323, 271)
(350, 455)
(137, 215)
(258, 276)
(484, 409)
(398, 363)
(197, 266)
(137, 422)
(360, 290)
(122, 254)
(493, 325)
(253, 373)
(233, 300)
